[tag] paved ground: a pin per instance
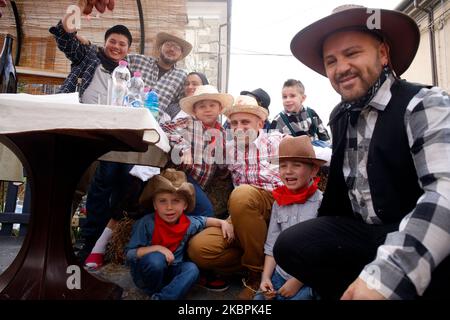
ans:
(119, 274)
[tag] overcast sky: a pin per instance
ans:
(261, 34)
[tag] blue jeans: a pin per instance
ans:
(203, 206)
(105, 191)
(305, 293)
(152, 274)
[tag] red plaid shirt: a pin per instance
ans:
(254, 164)
(205, 144)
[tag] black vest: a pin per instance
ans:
(391, 173)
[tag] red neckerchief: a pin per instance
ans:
(284, 197)
(169, 235)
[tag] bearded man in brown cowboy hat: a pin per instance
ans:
(383, 227)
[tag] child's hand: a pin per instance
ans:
(290, 288)
(167, 253)
(227, 230)
(266, 287)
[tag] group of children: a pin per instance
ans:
(180, 208)
(273, 167)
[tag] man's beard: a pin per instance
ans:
(167, 60)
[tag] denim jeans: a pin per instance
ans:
(105, 192)
(305, 293)
(161, 281)
(203, 206)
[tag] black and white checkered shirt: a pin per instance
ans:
(302, 124)
(423, 239)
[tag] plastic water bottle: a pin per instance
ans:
(152, 103)
(120, 78)
(135, 90)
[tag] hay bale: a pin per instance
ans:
(115, 252)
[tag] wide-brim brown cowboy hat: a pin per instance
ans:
(162, 37)
(300, 149)
(171, 181)
(398, 30)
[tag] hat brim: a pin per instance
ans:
(162, 37)
(257, 111)
(400, 31)
(160, 184)
(315, 161)
(187, 103)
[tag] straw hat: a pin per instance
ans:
(172, 181)
(206, 92)
(398, 30)
(162, 37)
(300, 148)
(246, 104)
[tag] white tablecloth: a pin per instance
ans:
(28, 113)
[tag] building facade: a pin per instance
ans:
(432, 62)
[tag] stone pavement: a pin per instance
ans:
(120, 275)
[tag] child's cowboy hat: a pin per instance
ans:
(171, 181)
(206, 92)
(246, 104)
(300, 148)
(162, 37)
(398, 30)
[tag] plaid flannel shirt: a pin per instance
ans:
(409, 255)
(301, 123)
(83, 57)
(257, 163)
(169, 87)
(206, 145)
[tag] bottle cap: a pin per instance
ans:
(123, 63)
(146, 89)
(137, 74)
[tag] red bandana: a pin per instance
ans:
(169, 235)
(284, 197)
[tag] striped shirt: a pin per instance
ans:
(408, 257)
(253, 164)
(206, 145)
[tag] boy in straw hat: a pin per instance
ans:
(157, 245)
(198, 141)
(250, 203)
(383, 222)
(296, 201)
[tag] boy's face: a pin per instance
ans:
(207, 111)
(169, 206)
(246, 122)
(292, 99)
(295, 174)
(116, 47)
